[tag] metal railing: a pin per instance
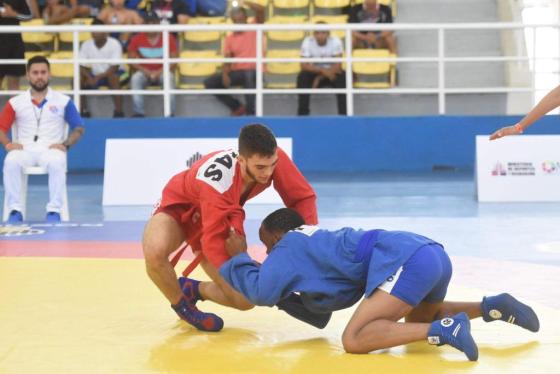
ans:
(440, 59)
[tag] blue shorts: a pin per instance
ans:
(423, 277)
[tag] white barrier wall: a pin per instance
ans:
(136, 170)
(518, 168)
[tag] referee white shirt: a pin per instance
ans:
(37, 126)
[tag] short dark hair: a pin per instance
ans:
(283, 220)
(38, 60)
(256, 139)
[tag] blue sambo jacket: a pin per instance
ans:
(331, 270)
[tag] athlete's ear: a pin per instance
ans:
(278, 235)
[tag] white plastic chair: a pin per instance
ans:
(35, 170)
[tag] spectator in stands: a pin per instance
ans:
(321, 74)
(11, 45)
(239, 44)
(101, 47)
(86, 8)
(40, 116)
(372, 12)
(149, 45)
(56, 13)
(173, 11)
(117, 14)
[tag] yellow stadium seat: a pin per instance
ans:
(290, 8)
(62, 74)
(373, 74)
(285, 39)
(330, 7)
(235, 3)
(65, 39)
(37, 41)
(282, 74)
(203, 40)
(340, 19)
(31, 54)
(192, 74)
(390, 3)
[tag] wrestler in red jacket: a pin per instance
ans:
(202, 204)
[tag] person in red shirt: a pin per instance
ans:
(150, 45)
(241, 44)
(203, 204)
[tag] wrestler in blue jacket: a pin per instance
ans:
(401, 274)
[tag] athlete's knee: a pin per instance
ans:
(350, 342)
(155, 252)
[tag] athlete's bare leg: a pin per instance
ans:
(162, 236)
(429, 312)
(219, 291)
(375, 325)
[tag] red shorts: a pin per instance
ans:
(188, 218)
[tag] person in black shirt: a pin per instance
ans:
(372, 12)
(11, 45)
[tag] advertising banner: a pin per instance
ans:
(136, 170)
(518, 168)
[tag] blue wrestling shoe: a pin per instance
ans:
(53, 217)
(190, 289)
(507, 308)
(15, 217)
(202, 321)
(455, 331)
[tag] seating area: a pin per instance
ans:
(208, 44)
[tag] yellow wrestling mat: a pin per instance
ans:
(61, 315)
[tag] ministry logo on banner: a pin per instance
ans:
(551, 167)
(499, 169)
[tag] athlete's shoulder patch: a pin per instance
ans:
(218, 171)
(307, 229)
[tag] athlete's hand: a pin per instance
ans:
(235, 243)
(60, 147)
(505, 131)
(13, 146)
